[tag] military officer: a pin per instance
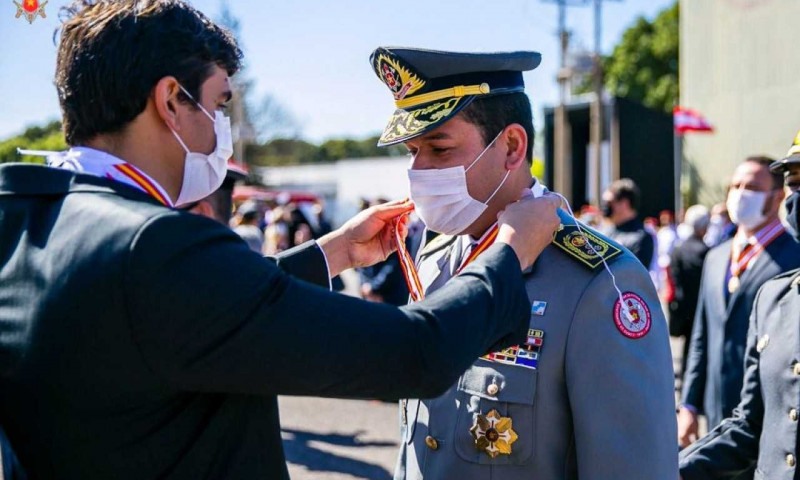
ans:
(589, 395)
(762, 430)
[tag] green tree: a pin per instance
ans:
(47, 137)
(644, 65)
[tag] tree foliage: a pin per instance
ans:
(47, 137)
(644, 65)
(283, 151)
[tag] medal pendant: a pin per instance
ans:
(733, 284)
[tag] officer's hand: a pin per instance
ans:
(687, 427)
(528, 225)
(365, 239)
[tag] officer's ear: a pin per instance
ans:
(166, 99)
(515, 140)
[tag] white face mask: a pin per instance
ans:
(746, 207)
(442, 199)
(204, 173)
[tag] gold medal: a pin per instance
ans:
(493, 434)
(733, 284)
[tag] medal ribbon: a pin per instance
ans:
(486, 242)
(410, 271)
(139, 179)
(763, 239)
(407, 265)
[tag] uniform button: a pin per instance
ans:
(796, 368)
(793, 414)
(790, 460)
(431, 443)
(492, 389)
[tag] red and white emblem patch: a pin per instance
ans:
(637, 323)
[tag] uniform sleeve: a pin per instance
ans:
(307, 262)
(210, 315)
(621, 389)
(732, 447)
(694, 379)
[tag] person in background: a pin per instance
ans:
(732, 274)
(720, 227)
(590, 215)
(762, 432)
(219, 205)
(384, 281)
(620, 204)
(248, 217)
(685, 270)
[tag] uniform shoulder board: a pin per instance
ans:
(439, 242)
(576, 245)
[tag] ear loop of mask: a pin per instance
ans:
(476, 161)
(196, 102)
(623, 305)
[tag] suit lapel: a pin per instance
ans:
(717, 278)
(758, 272)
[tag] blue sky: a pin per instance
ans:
(313, 55)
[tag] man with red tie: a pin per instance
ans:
(732, 274)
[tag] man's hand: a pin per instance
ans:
(687, 427)
(528, 225)
(365, 239)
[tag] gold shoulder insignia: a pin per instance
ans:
(437, 244)
(577, 245)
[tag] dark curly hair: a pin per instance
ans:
(111, 54)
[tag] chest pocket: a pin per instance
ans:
(510, 390)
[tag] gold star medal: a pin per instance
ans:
(493, 434)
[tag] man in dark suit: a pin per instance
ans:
(142, 342)
(620, 207)
(762, 432)
(732, 274)
(685, 271)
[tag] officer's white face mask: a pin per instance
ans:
(746, 207)
(204, 173)
(441, 197)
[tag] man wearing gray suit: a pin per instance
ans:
(732, 274)
(761, 433)
(588, 395)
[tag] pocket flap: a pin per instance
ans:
(498, 382)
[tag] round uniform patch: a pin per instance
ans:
(638, 324)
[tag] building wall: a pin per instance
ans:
(738, 68)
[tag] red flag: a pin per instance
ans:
(688, 120)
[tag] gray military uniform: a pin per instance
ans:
(599, 404)
(763, 430)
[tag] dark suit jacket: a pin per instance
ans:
(139, 342)
(633, 236)
(685, 269)
(387, 280)
(763, 429)
(713, 378)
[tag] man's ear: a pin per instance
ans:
(778, 195)
(165, 99)
(515, 140)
